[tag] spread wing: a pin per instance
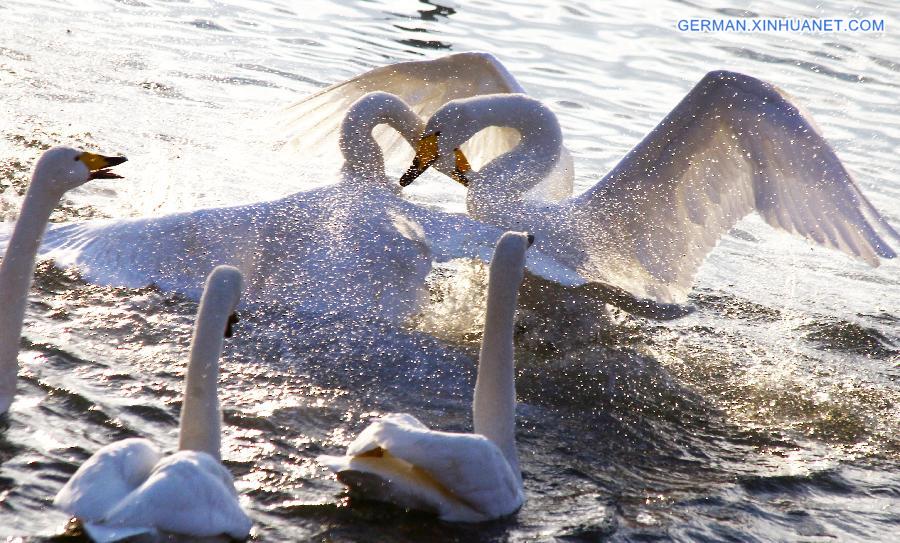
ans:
(313, 124)
(732, 146)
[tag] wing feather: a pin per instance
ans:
(732, 146)
(460, 476)
(188, 493)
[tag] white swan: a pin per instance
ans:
(353, 247)
(59, 170)
(314, 124)
(461, 477)
(129, 488)
(733, 145)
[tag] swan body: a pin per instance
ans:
(353, 247)
(59, 170)
(130, 488)
(732, 146)
(460, 477)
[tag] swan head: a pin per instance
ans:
(362, 155)
(63, 168)
(223, 289)
(509, 255)
(457, 121)
(450, 127)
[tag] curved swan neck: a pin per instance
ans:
(201, 419)
(537, 152)
(362, 153)
(16, 273)
(494, 406)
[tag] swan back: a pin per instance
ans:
(107, 477)
(200, 428)
(461, 477)
(188, 493)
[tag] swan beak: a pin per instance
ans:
(232, 320)
(426, 154)
(462, 167)
(99, 164)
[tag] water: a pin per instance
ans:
(770, 413)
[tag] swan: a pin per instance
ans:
(313, 125)
(130, 488)
(57, 171)
(354, 247)
(461, 477)
(733, 145)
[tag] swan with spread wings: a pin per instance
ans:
(732, 146)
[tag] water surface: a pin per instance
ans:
(770, 413)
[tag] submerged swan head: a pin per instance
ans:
(63, 168)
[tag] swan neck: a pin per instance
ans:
(509, 176)
(494, 406)
(201, 420)
(16, 274)
(363, 156)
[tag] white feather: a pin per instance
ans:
(733, 145)
(129, 488)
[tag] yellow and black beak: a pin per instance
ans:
(99, 165)
(426, 154)
(461, 169)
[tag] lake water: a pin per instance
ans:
(772, 413)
